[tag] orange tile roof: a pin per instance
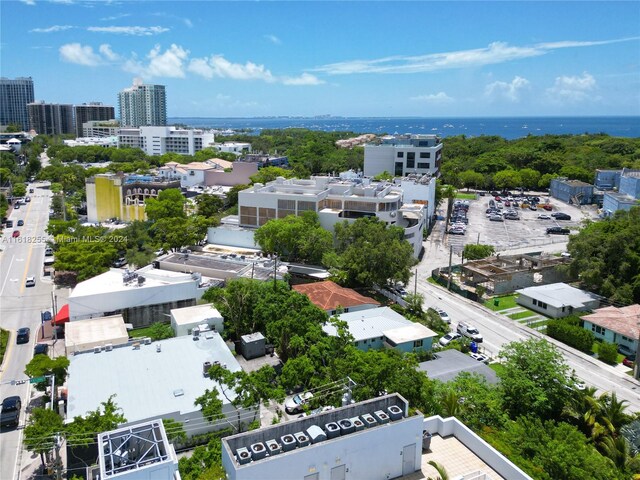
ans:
(329, 296)
(622, 320)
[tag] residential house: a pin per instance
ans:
(557, 300)
(332, 298)
(620, 325)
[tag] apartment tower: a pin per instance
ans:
(14, 96)
(89, 112)
(51, 118)
(142, 105)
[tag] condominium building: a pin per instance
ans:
(15, 94)
(88, 112)
(142, 105)
(335, 199)
(401, 155)
(51, 118)
(160, 140)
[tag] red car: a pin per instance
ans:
(15, 234)
(548, 208)
(627, 362)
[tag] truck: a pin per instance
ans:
(469, 331)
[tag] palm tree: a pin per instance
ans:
(451, 405)
(443, 475)
(614, 411)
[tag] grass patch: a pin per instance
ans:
(466, 196)
(519, 315)
(4, 340)
(431, 280)
(497, 367)
(142, 332)
(504, 302)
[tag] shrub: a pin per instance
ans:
(608, 352)
(572, 335)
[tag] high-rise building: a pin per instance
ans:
(51, 118)
(88, 112)
(142, 105)
(14, 96)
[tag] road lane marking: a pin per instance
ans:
(28, 262)
(7, 277)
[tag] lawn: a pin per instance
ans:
(4, 339)
(519, 315)
(504, 302)
(140, 332)
(465, 196)
(497, 367)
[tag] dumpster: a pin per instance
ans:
(474, 347)
(426, 440)
(496, 301)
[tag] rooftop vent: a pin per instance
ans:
(258, 451)
(97, 349)
(316, 434)
(346, 426)
(381, 417)
(302, 439)
(288, 442)
(243, 456)
(147, 341)
(358, 424)
(273, 447)
(205, 368)
(368, 420)
(395, 412)
(332, 429)
(108, 347)
(158, 348)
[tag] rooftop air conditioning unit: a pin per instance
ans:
(243, 455)
(302, 439)
(395, 412)
(273, 447)
(258, 451)
(316, 434)
(288, 442)
(346, 426)
(205, 368)
(108, 347)
(368, 420)
(358, 424)
(332, 429)
(381, 417)
(147, 341)
(158, 347)
(97, 349)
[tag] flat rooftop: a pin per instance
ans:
(448, 364)
(96, 330)
(148, 383)
(370, 323)
(196, 313)
(560, 295)
(228, 265)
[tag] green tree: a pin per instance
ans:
(529, 177)
(173, 233)
(534, 379)
(507, 179)
(86, 258)
(383, 176)
(471, 178)
(169, 204)
(40, 433)
(269, 174)
(572, 335)
(209, 205)
(477, 251)
(232, 194)
(160, 331)
(236, 303)
(43, 365)
(175, 430)
(84, 429)
(545, 180)
(19, 190)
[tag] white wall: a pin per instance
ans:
(184, 328)
(231, 236)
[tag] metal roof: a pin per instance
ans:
(370, 323)
(448, 364)
(559, 295)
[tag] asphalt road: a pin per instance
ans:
(20, 306)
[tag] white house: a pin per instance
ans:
(142, 297)
(158, 380)
(557, 299)
(237, 148)
(189, 174)
(184, 320)
(401, 155)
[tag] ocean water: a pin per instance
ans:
(507, 127)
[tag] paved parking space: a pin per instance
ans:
(529, 231)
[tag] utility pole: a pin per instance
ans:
(415, 283)
(57, 466)
(478, 241)
(275, 264)
(450, 273)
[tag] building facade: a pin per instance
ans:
(627, 183)
(101, 128)
(237, 148)
(617, 325)
(571, 191)
(15, 95)
(557, 300)
(51, 118)
(142, 105)
(160, 140)
(348, 197)
(401, 155)
(88, 112)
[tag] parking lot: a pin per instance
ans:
(529, 230)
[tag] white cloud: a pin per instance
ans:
(167, 64)
(51, 29)
(304, 79)
(80, 54)
(273, 39)
(132, 30)
(29, 2)
(494, 53)
(115, 17)
(218, 66)
(572, 89)
(105, 50)
(510, 91)
(440, 97)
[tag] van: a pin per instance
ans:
(48, 252)
(469, 331)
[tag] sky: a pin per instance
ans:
(304, 58)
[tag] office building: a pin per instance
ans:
(88, 112)
(51, 118)
(142, 105)
(15, 95)
(160, 140)
(101, 128)
(401, 155)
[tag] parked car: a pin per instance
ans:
(16, 206)
(15, 234)
(448, 338)
(444, 316)
(31, 190)
(479, 357)
(296, 403)
(20, 223)
(121, 262)
(496, 218)
(41, 349)
(456, 231)
(558, 231)
(547, 207)
(624, 350)
(10, 415)
(30, 282)
(23, 335)
(469, 331)
(561, 216)
(629, 361)
(544, 216)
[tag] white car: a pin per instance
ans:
(296, 403)
(448, 338)
(479, 357)
(544, 216)
(443, 315)
(30, 282)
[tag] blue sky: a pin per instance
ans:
(237, 59)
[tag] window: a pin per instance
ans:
(411, 163)
(598, 329)
(248, 216)
(399, 169)
(535, 302)
(411, 159)
(304, 206)
(356, 343)
(286, 207)
(425, 154)
(424, 165)
(359, 206)
(266, 214)
(400, 154)
(417, 343)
